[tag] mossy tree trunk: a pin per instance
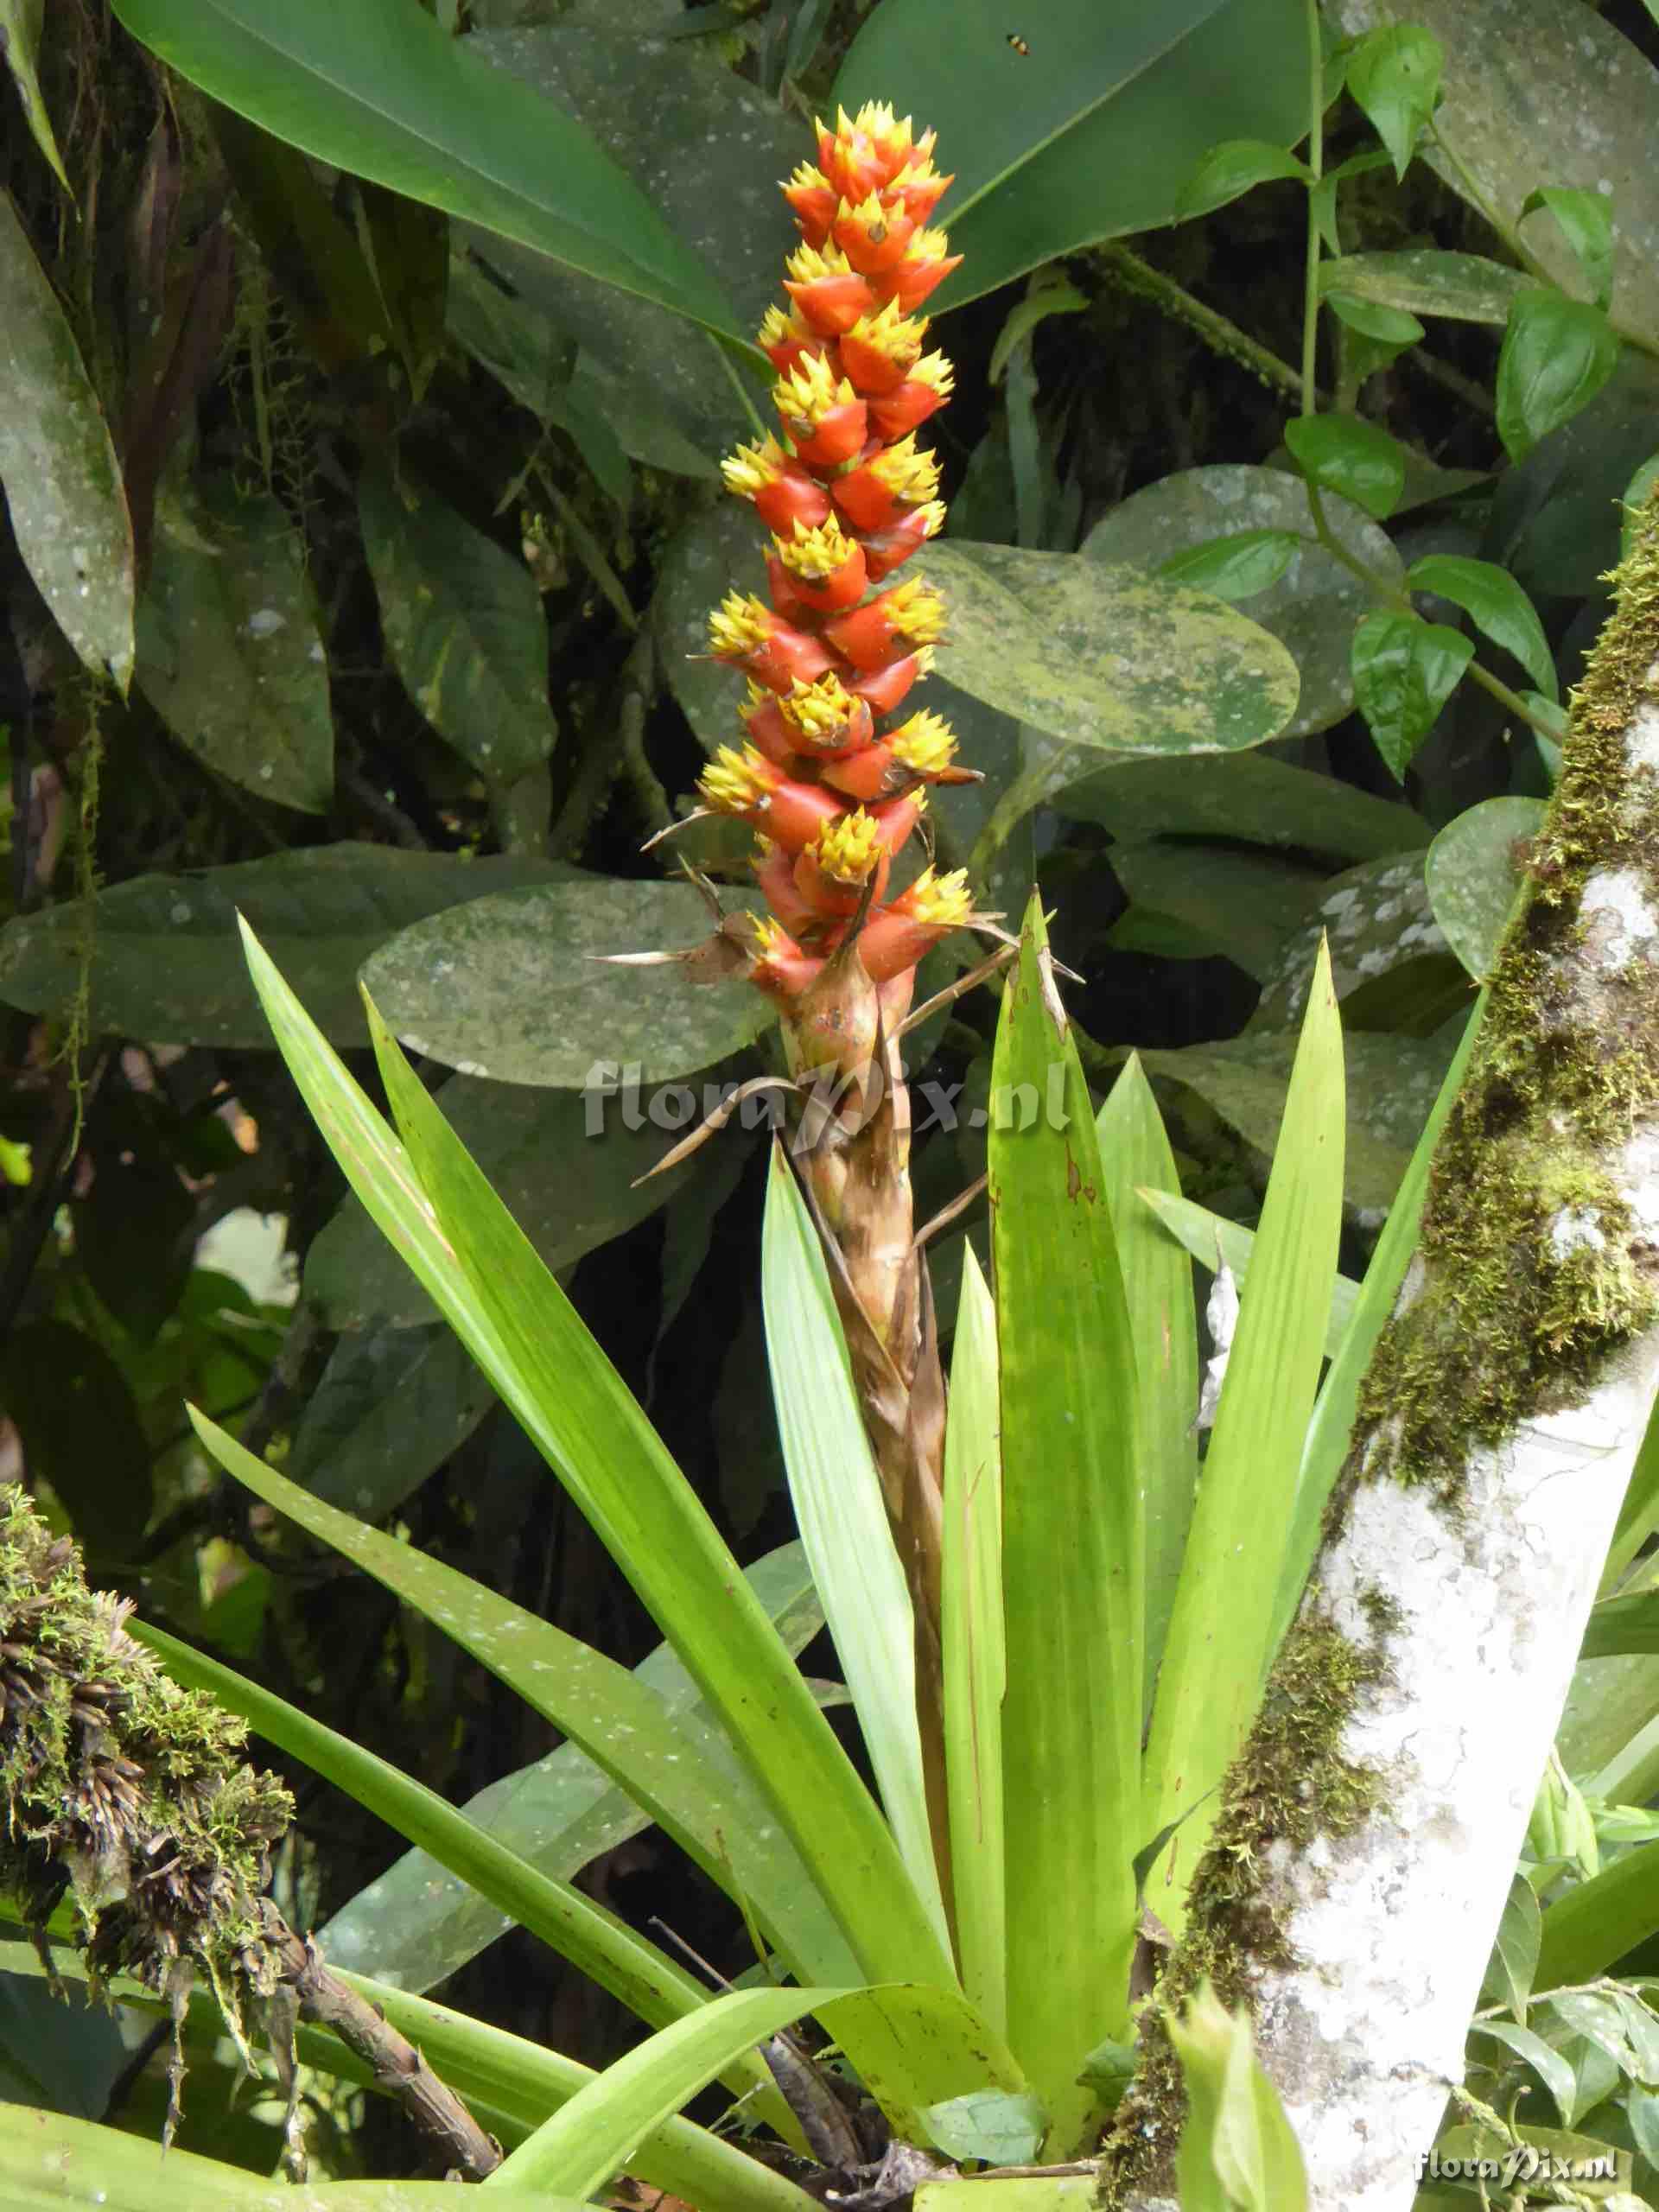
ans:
(1370, 1828)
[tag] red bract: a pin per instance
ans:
(847, 497)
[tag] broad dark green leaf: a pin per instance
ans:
(1231, 169)
(1250, 796)
(133, 1235)
(1473, 874)
(1497, 606)
(1424, 280)
(391, 1405)
(1072, 1552)
(1586, 223)
(721, 549)
(1379, 926)
(1246, 904)
(58, 467)
(1341, 453)
(1404, 673)
(463, 619)
(167, 961)
(229, 654)
(379, 89)
(515, 988)
(1557, 355)
(1104, 656)
(1092, 132)
(1550, 93)
(80, 1430)
(565, 1166)
(1392, 328)
(1393, 74)
(1544, 2059)
(1313, 607)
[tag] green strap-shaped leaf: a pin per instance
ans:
(604, 1947)
(1072, 1552)
(488, 1282)
(380, 89)
(837, 1494)
(1221, 1631)
(975, 1659)
(1158, 1283)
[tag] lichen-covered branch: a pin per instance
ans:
(1371, 1826)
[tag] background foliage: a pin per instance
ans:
(367, 380)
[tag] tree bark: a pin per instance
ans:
(1371, 1826)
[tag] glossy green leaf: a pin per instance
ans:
(167, 960)
(1557, 355)
(515, 988)
(1092, 132)
(1104, 657)
(652, 1986)
(1545, 2060)
(1061, 2192)
(1639, 1515)
(1382, 929)
(1497, 606)
(1326, 1445)
(1237, 2151)
(58, 467)
(1393, 74)
(415, 1924)
(975, 1661)
(591, 2138)
(1250, 796)
(1474, 876)
(1072, 1551)
(1314, 606)
(229, 654)
(1247, 905)
(1232, 168)
(1238, 567)
(837, 1493)
(20, 43)
(1424, 280)
(1135, 1157)
(1340, 452)
(1514, 1953)
(1404, 673)
(463, 620)
(384, 91)
(1586, 222)
(1222, 1627)
(1204, 1236)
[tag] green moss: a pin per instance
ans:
(120, 1787)
(1534, 1275)
(1291, 1784)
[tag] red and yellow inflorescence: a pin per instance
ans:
(847, 497)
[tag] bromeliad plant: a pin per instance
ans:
(976, 1942)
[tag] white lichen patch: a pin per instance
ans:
(1576, 1229)
(1642, 732)
(1619, 922)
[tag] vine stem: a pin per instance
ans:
(1310, 397)
(1390, 596)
